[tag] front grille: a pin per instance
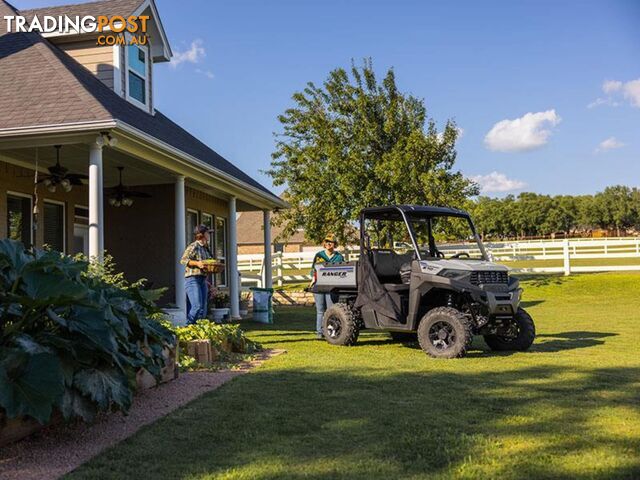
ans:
(489, 277)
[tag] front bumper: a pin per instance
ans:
(500, 304)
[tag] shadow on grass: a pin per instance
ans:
(531, 303)
(301, 321)
(533, 422)
(542, 279)
(569, 340)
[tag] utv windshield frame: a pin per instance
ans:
(407, 213)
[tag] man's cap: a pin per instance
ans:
(201, 229)
(330, 237)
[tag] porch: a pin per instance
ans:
(145, 225)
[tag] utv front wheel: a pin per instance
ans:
(444, 333)
(340, 326)
(520, 337)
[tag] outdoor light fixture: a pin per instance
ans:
(121, 196)
(59, 175)
(105, 138)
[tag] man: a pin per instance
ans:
(195, 274)
(324, 300)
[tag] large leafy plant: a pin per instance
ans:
(69, 339)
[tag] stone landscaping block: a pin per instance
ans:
(201, 350)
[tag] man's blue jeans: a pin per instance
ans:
(323, 301)
(197, 293)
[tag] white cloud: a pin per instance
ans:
(207, 73)
(603, 101)
(631, 91)
(194, 54)
(525, 133)
(497, 182)
(610, 86)
(616, 91)
(610, 143)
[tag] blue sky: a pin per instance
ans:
(570, 65)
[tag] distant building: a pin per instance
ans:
(251, 236)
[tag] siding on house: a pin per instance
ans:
(20, 180)
(98, 60)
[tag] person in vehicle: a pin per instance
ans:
(324, 300)
(195, 274)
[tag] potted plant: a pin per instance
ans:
(219, 301)
(245, 298)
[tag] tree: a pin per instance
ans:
(355, 143)
(616, 203)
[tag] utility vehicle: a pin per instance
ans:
(423, 271)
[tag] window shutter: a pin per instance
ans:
(53, 226)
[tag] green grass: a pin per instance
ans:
(568, 408)
(581, 262)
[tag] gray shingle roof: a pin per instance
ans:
(105, 7)
(42, 85)
(251, 231)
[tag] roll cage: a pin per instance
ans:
(407, 213)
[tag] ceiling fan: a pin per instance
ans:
(59, 175)
(122, 196)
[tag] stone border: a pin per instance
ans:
(60, 449)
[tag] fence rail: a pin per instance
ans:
(296, 267)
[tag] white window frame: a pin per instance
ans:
(147, 79)
(64, 220)
(213, 226)
(86, 207)
(189, 234)
(225, 241)
(30, 197)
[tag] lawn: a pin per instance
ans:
(569, 408)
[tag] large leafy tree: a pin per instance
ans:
(356, 142)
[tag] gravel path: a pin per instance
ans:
(58, 450)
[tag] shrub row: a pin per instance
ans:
(72, 336)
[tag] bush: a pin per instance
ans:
(69, 338)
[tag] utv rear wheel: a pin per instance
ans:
(444, 333)
(340, 325)
(520, 338)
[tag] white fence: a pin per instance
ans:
(296, 267)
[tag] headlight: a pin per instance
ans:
(454, 274)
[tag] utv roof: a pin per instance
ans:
(395, 211)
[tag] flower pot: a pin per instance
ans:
(218, 314)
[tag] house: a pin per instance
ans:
(65, 98)
(251, 236)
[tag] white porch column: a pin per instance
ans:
(267, 280)
(232, 259)
(96, 213)
(180, 243)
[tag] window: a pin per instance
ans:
(19, 218)
(221, 249)
(207, 221)
(137, 74)
(192, 223)
(80, 242)
(54, 225)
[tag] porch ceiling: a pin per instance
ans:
(75, 157)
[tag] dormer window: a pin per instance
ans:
(138, 75)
